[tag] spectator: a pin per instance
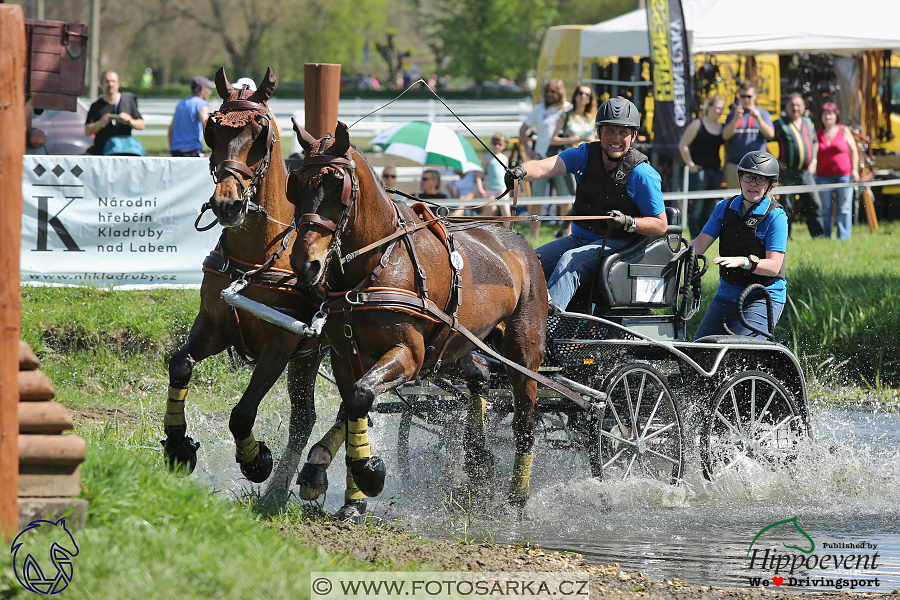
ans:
(430, 187)
(614, 180)
(389, 177)
(114, 114)
(186, 128)
(747, 128)
(838, 162)
(751, 250)
(543, 118)
(469, 185)
(575, 127)
(797, 149)
(373, 82)
(494, 185)
(699, 147)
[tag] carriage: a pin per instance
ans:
(655, 404)
(614, 377)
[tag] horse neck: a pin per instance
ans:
(259, 237)
(372, 219)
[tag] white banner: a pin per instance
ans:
(114, 221)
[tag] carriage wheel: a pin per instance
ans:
(640, 435)
(754, 422)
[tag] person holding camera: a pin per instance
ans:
(114, 114)
(752, 232)
(747, 128)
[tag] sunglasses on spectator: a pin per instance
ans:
(389, 176)
(584, 93)
(757, 179)
(426, 179)
(746, 96)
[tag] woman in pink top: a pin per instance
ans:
(838, 162)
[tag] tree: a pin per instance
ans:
(392, 55)
(487, 39)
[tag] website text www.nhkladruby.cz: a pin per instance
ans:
(142, 278)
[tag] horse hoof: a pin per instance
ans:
(369, 475)
(313, 481)
(351, 510)
(181, 453)
(517, 502)
(259, 469)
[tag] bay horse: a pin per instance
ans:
(400, 295)
(249, 202)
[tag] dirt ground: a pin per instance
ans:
(387, 547)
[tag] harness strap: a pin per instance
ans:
(388, 299)
(316, 219)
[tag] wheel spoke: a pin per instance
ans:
(777, 426)
(737, 412)
(630, 464)
(722, 418)
(653, 412)
(614, 458)
(611, 435)
(628, 400)
(659, 431)
(637, 407)
(621, 426)
(674, 461)
(766, 407)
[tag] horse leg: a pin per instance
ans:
(255, 457)
(479, 462)
(302, 373)
(203, 341)
(313, 477)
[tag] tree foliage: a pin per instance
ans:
(487, 39)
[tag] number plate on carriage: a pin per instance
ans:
(649, 290)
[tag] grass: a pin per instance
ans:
(149, 530)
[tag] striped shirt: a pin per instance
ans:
(796, 143)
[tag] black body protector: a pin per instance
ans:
(738, 238)
(601, 191)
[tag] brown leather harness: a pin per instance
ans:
(364, 296)
(218, 262)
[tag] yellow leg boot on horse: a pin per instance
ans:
(181, 451)
(521, 481)
(365, 473)
(313, 477)
(254, 457)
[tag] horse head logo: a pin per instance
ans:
(793, 521)
(45, 537)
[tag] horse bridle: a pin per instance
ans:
(238, 169)
(349, 194)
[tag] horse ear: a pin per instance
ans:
(266, 87)
(224, 88)
(341, 140)
(290, 188)
(306, 140)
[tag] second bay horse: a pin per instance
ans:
(400, 295)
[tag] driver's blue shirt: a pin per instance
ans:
(772, 232)
(643, 186)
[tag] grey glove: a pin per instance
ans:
(620, 221)
(513, 174)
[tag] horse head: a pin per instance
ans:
(242, 136)
(323, 191)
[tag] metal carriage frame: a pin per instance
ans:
(656, 404)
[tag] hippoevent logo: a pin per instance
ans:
(783, 554)
(668, 56)
(42, 556)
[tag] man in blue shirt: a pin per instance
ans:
(615, 181)
(747, 128)
(186, 128)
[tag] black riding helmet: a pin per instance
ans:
(618, 111)
(759, 163)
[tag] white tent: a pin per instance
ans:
(843, 28)
(779, 26)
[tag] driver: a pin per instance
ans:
(752, 232)
(613, 179)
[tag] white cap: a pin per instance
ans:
(245, 81)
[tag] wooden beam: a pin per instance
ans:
(12, 149)
(322, 91)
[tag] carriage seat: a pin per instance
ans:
(636, 279)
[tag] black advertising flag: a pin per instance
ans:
(670, 60)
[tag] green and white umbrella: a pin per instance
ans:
(428, 144)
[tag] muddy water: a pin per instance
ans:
(844, 491)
